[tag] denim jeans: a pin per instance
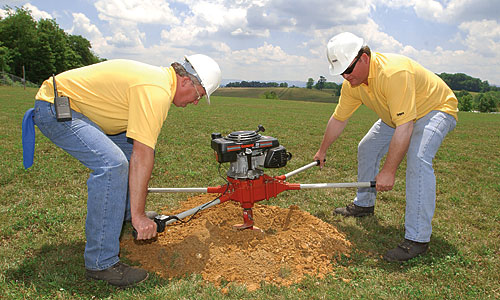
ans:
(428, 134)
(108, 158)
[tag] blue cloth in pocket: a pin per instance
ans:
(28, 137)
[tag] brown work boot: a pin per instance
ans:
(120, 275)
(406, 250)
(352, 210)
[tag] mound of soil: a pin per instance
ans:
(290, 245)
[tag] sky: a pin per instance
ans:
(283, 40)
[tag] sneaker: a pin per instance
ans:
(120, 275)
(406, 250)
(352, 210)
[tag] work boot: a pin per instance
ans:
(352, 210)
(406, 250)
(120, 275)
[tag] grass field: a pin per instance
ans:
(297, 94)
(42, 210)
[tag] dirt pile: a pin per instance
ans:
(290, 245)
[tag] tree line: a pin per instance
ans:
(472, 93)
(322, 83)
(463, 82)
(41, 47)
(256, 84)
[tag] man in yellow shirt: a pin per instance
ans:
(118, 108)
(416, 110)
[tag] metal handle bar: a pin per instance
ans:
(338, 185)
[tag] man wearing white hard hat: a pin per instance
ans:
(117, 111)
(416, 110)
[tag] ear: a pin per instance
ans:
(185, 80)
(365, 58)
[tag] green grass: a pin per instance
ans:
(42, 210)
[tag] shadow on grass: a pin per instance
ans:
(371, 240)
(53, 270)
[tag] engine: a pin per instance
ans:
(248, 151)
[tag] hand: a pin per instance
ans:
(385, 181)
(321, 158)
(146, 228)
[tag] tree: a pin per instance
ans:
(42, 47)
(310, 83)
(461, 81)
(18, 33)
(270, 95)
(485, 102)
(321, 83)
(81, 46)
(5, 58)
(465, 102)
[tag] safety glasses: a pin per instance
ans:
(351, 67)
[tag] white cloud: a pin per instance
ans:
(206, 19)
(447, 11)
(221, 48)
(267, 62)
(430, 10)
(459, 11)
(483, 37)
(264, 54)
(123, 18)
(215, 15)
(137, 11)
(304, 15)
(37, 13)
(456, 11)
(83, 26)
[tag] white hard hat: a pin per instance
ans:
(206, 70)
(341, 51)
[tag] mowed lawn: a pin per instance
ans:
(42, 210)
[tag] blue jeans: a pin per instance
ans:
(428, 134)
(108, 158)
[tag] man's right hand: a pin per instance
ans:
(145, 227)
(321, 158)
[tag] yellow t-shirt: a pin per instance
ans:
(118, 95)
(399, 90)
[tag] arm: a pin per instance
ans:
(397, 150)
(333, 131)
(140, 169)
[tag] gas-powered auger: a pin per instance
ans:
(248, 152)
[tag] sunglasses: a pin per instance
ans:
(351, 67)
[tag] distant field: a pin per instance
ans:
(43, 209)
(301, 94)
